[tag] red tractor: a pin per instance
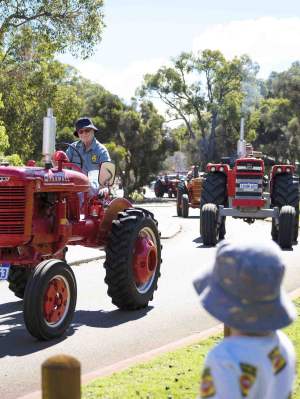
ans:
(44, 209)
(238, 191)
(167, 184)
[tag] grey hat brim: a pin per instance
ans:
(249, 317)
(86, 127)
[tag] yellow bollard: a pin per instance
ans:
(227, 331)
(61, 378)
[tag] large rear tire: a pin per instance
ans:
(209, 218)
(50, 299)
(185, 205)
(17, 279)
(286, 226)
(286, 192)
(133, 258)
(214, 191)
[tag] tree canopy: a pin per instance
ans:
(200, 89)
(72, 25)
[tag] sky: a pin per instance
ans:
(143, 35)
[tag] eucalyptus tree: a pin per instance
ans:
(72, 25)
(199, 89)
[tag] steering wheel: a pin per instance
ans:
(75, 149)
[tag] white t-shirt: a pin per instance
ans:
(250, 367)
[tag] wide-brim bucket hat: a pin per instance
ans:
(243, 288)
(84, 123)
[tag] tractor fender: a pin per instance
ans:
(110, 214)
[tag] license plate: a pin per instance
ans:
(249, 186)
(4, 270)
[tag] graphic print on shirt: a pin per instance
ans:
(277, 360)
(207, 388)
(247, 378)
(94, 158)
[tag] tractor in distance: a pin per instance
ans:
(189, 192)
(166, 185)
(44, 209)
(238, 191)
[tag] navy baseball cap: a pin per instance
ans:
(83, 123)
(244, 290)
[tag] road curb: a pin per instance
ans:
(86, 260)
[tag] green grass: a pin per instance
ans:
(174, 375)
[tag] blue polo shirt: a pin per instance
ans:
(91, 158)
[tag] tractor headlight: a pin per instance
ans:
(213, 169)
(221, 169)
(279, 170)
(288, 170)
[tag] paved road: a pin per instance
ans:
(102, 335)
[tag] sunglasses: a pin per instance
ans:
(81, 131)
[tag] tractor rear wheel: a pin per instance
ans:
(209, 217)
(214, 192)
(185, 205)
(50, 299)
(286, 226)
(17, 279)
(133, 258)
(214, 189)
(286, 192)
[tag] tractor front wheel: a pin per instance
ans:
(17, 279)
(50, 299)
(214, 192)
(133, 258)
(286, 192)
(286, 226)
(181, 189)
(185, 205)
(209, 226)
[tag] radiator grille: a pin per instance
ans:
(12, 210)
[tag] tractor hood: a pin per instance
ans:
(45, 179)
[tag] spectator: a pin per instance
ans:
(244, 291)
(90, 149)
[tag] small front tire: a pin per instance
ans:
(50, 299)
(17, 279)
(286, 226)
(208, 220)
(185, 205)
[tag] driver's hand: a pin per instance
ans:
(103, 192)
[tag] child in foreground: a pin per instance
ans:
(244, 291)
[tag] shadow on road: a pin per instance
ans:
(14, 338)
(107, 319)
(199, 240)
(16, 341)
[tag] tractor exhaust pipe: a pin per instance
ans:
(49, 133)
(241, 147)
